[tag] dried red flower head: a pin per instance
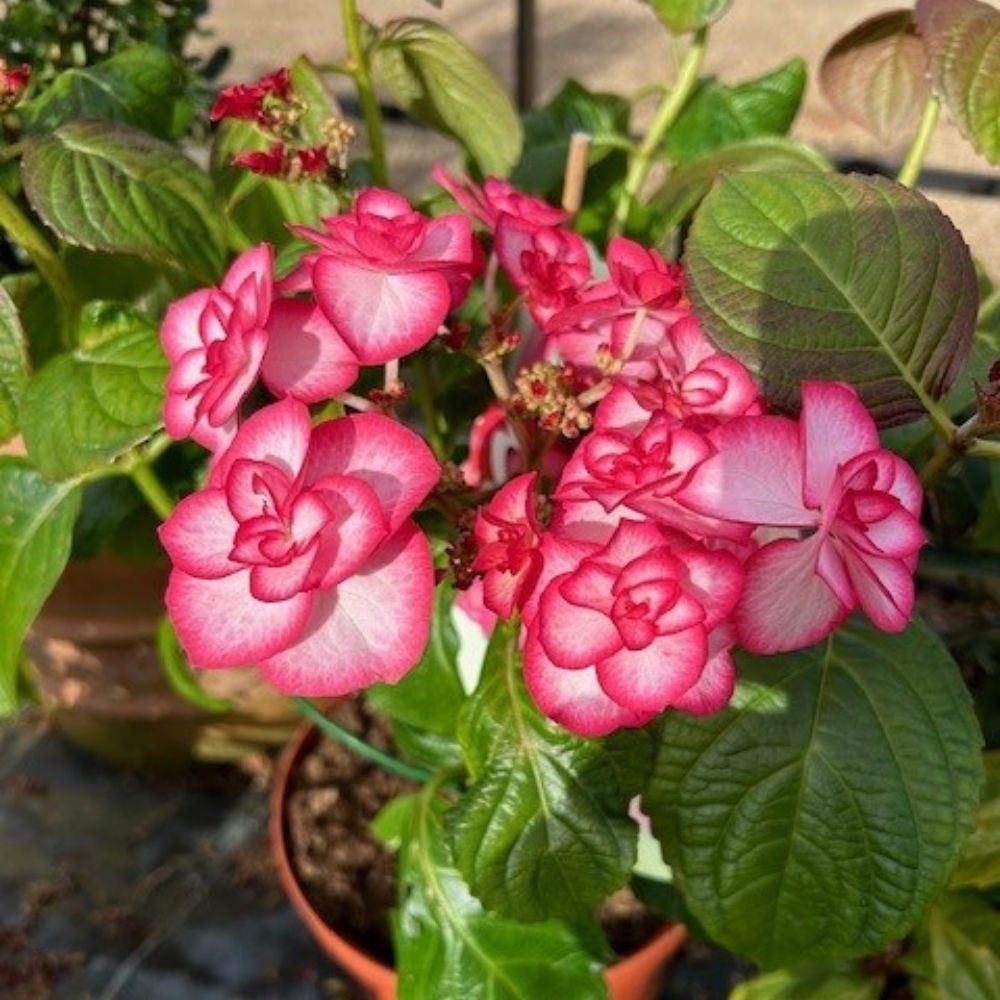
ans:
(12, 84)
(270, 162)
(249, 102)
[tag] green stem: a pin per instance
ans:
(24, 232)
(12, 151)
(909, 174)
(152, 489)
(337, 732)
(366, 92)
(666, 115)
(428, 408)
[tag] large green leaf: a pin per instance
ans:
(36, 527)
(448, 948)
(263, 207)
(686, 185)
(106, 186)
(963, 39)
(140, 86)
(719, 115)
(543, 831)
(13, 366)
(681, 16)
(549, 129)
(819, 815)
(979, 867)
(437, 79)
(109, 392)
(876, 75)
(430, 696)
(817, 276)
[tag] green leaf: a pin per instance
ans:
(876, 75)
(448, 948)
(820, 981)
(819, 815)
(179, 674)
(430, 696)
(817, 276)
(549, 129)
(682, 16)
(965, 967)
(719, 115)
(36, 527)
(111, 385)
(13, 366)
(263, 207)
(963, 39)
(437, 79)
(139, 86)
(106, 186)
(688, 184)
(979, 867)
(544, 830)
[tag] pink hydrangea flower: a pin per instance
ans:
(627, 315)
(508, 536)
(849, 511)
(497, 198)
(215, 341)
(615, 472)
(685, 379)
(549, 266)
(300, 555)
(628, 631)
(386, 276)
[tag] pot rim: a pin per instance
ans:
(666, 941)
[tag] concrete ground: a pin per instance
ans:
(618, 45)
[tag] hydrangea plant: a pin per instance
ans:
(678, 451)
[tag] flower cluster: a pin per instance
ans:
(273, 106)
(648, 515)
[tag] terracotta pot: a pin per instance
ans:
(93, 657)
(633, 978)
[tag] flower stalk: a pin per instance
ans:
(666, 115)
(361, 72)
(909, 173)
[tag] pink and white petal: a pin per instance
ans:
(830, 566)
(515, 500)
(379, 201)
(220, 624)
(393, 460)
(448, 238)
(755, 477)
(632, 540)
(181, 329)
(217, 439)
(180, 414)
(306, 357)
(242, 381)
(256, 266)
(786, 604)
(574, 636)
(512, 239)
(381, 316)
(500, 591)
(198, 535)
(573, 698)
(278, 434)
(187, 372)
(835, 427)
(649, 680)
(716, 579)
(884, 588)
(279, 583)
(620, 410)
(372, 627)
(560, 554)
(713, 690)
(470, 602)
(361, 526)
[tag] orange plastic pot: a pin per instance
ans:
(633, 978)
